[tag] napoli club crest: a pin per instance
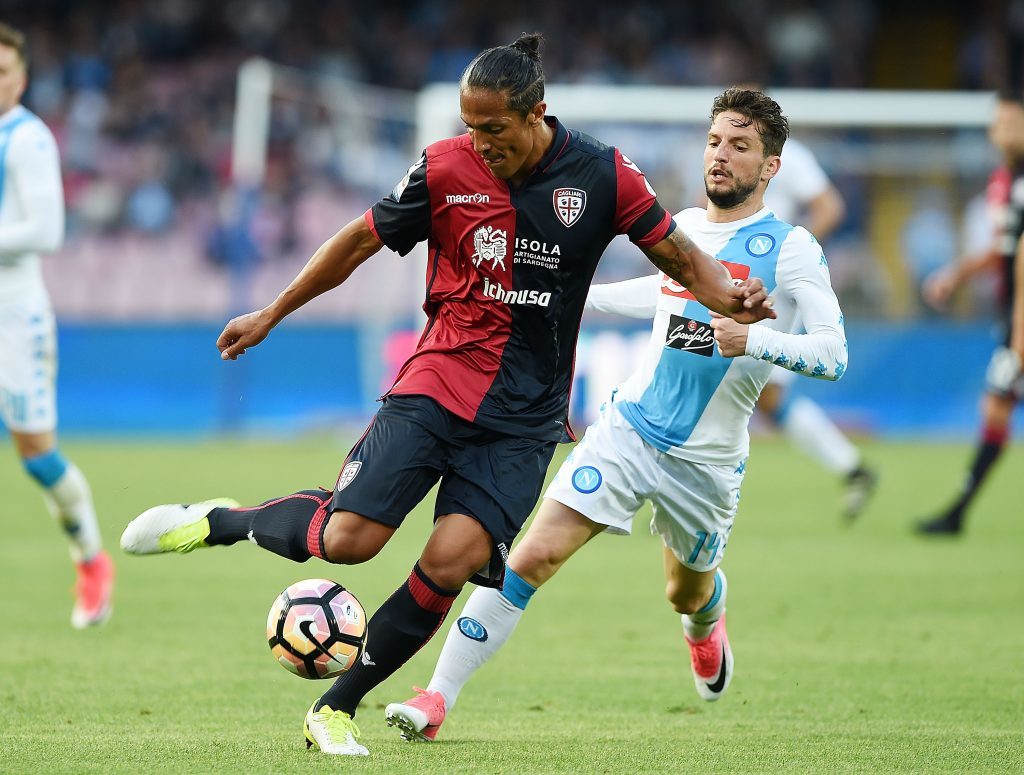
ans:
(569, 204)
(586, 479)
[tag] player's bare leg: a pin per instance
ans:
(699, 597)
(490, 616)
(69, 500)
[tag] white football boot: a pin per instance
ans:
(333, 732)
(174, 527)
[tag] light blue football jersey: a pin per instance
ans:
(688, 400)
(31, 203)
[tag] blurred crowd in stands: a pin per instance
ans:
(140, 94)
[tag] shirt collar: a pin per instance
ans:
(558, 145)
(12, 115)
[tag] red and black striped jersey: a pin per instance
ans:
(1006, 188)
(508, 272)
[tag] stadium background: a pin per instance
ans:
(162, 246)
(865, 649)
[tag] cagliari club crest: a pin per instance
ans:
(348, 473)
(569, 204)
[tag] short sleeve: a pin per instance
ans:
(800, 180)
(402, 218)
(637, 211)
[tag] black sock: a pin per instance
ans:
(399, 628)
(292, 526)
(985, 457)
(857, 473)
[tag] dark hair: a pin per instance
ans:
(514, 70)
(761, 110)
(13, 38)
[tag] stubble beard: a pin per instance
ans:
(727, 200)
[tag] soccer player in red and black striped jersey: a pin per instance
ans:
(516, 214)
(1004, 380)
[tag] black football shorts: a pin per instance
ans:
(413, 442)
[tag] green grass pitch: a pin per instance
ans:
(858, 648)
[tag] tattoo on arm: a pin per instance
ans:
(672, 256)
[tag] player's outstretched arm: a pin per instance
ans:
(636, 298)
(328, 268)
(709, 281)
(938, 287)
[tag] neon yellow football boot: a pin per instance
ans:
(173, 527)
(332, 731)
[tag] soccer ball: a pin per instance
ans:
(316, 629)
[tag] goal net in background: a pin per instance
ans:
(912, 167)
(311, 151)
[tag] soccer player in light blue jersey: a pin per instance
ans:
(675, 433)
(32, 222)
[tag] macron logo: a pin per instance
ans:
(468, 199)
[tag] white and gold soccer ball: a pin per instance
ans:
(316, 629)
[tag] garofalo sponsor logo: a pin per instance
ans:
(467, 199)
(691, 335)
(496, 291)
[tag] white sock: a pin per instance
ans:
(485, 623)
(811, 430)
(69, 501)
(699, 625)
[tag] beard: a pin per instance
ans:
(726, 200)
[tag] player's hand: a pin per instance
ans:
(938, 287)
(730, 336)
(241, 333)
(754, 303)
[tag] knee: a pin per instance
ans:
(536, 563)
(997, 411)
(350, 543)
(685, 599)
(452, 569)
(33, 445)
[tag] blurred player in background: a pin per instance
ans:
(675, 432)
(516, 214)
(802, 193)
(32, 222)
(1004, 384)
(982, 255)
